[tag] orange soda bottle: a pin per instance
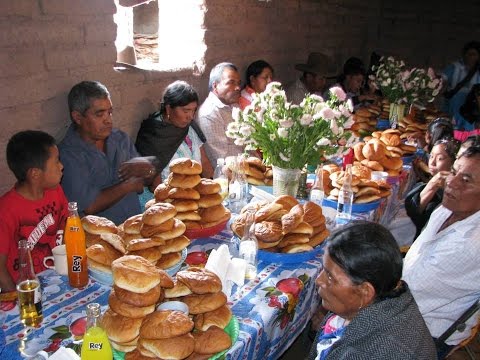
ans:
(74, 238)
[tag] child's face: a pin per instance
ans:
(52, 174)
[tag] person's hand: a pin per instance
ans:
(137, 167)
(135, 184)
(436, 182)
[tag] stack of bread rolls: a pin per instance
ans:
(156, 235)
(285, 225)
(257, 172)
(365, 120)
(364, 189)
(138, 287)
(197, 200)
(103, 243)
(201, 290)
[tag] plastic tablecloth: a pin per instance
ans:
(272, 309)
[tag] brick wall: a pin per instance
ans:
(49, 45)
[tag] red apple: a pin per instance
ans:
(197, 258)
(78, 327)
(290, 286)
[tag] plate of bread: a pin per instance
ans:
(286, 231)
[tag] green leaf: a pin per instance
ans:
(60, 335)
(61, 329)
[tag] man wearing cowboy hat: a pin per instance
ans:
(318, 68)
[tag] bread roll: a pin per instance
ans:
(219, 317)
(268, 231)
(125, 347)
(373, 150)
(104, 254)
(91, 239)
(213, 340)
(188, 215)
(185, 166)
(119, 328)
(152, 254)
(174, 245)
(159, 213)
(163, 324)
(92, 264)
(357, 150)
(200, 280)
(183, 205)
(133, 224)
(135, 355)
(296, 248)
(143, 243)
(213, 213)
(192, 225)
(183, 181)
(178, 347)
(177, 230)
(198, 304)
(254, 172)
(291, 239)
(151, 230)
(98, 225)
(291, 220)
(128, 310)
(366, 199)
(168, 260)
(134, 273)
(179, 289)
(317, 239)
(287, 201)
(312, 213)
(255, 162)
(186, 194)
(207, 187)
(151, 297)
(270, 245)
(265, 211)
(210, 200)
(161, 192)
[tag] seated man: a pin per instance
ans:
(318, 68)
(215, 113)
(441, 268)
(102, 170)
(35, 208)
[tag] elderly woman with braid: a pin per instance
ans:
(372, 312)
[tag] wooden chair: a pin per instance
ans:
(459, 325)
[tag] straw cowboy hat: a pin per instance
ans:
(318, 63)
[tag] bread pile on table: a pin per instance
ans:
(133, 326)
(197, 200)
(365, 120)
(138, 286)
(257, 172)
(364, 189)
(383, 151)
(285, 225)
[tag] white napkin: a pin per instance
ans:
(229, 270)
(64, 353)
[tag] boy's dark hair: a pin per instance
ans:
(26, 150)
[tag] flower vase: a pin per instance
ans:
(397, 113)
(285, 181)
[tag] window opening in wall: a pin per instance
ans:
(161, 34)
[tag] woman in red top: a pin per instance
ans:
(258, 75)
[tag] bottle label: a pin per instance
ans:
(74, 228)
(77, 263)
(95, 346)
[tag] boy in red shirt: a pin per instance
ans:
(35, 208)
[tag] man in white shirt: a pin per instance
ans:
(442, 266)
(216, 112)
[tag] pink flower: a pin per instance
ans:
(339, 93)
(327, 113)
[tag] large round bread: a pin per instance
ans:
(208, 186)
(182, 180)
(210, 200)
(158, 213)
(98, 225)
(119, 328)
(150, 230)
(219, 317)
(174, 245)
(185, 166)
(198, 304)
(115, 241)
(104, 254)
(165, 324)
(200, 280)
(187, 194)
(211, 341)
(151, 297)
(133, 224)
(268, 231)
(128, 310)
(178, 347)
(161, 192)
(134, 273)
(213, 213)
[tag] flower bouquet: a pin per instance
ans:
(291, 136)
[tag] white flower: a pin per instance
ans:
(246, 130)
(259, 115)
(306, 119)
(350, 105)
(283, 133)
(248, 109)
(239, 142)
(232, 127)
(272, 87)
(284, 157)
(334, 127)
(348, 124)
(338, 92)
(273, 137)
(286, 123)
(316, 97)
(323, 142)
(236, 113)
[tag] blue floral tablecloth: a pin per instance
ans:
(272, 309)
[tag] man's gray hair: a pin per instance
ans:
(217, 71)
(81, 94)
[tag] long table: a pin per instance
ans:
(272, 309)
